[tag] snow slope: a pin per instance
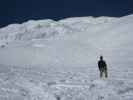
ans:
(54, 38)
(57, 60)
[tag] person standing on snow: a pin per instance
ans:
(102, 67)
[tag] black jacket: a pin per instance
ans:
(102, 65)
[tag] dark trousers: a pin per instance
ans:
(102, 72)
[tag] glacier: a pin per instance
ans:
(57, 60)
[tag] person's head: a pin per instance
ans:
(101, 57)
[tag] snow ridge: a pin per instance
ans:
(46, 28)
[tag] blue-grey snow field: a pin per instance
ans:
(57, 60)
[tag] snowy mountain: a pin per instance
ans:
(57, 60)
(48, 28)
(71, 41)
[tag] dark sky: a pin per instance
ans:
(18, 11)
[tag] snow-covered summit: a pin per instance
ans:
(41, 29)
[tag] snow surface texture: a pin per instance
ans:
(57, 60)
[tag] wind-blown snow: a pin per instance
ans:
(57, 60)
